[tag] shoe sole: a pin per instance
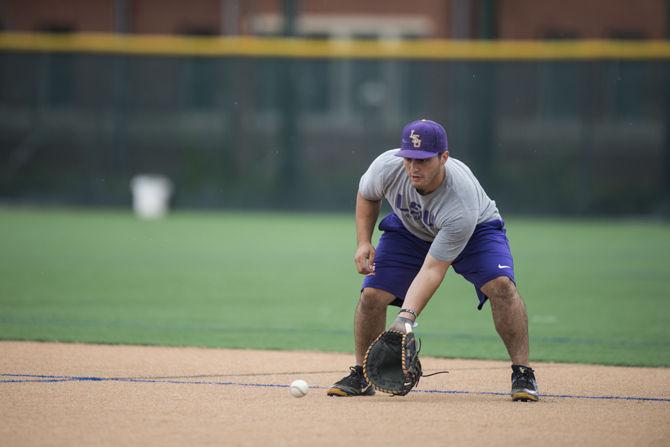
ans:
(525, 396)
(339, 392)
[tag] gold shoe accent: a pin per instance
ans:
(524, 396)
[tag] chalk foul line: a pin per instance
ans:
(42, 378)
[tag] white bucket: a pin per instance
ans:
(151, 195)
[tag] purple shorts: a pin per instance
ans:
(400, 255)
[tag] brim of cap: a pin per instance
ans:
(420, 155)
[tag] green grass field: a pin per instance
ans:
(596, 291)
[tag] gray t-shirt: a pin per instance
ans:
(446, 216)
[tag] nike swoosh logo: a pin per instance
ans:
(504, 266)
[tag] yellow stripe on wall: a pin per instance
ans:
(305, 48)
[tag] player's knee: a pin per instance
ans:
(375, 299)
(501, 290)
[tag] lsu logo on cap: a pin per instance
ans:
(416, 139)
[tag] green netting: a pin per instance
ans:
(543, 137)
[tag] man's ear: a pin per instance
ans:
(445, 156)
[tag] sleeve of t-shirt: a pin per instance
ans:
(453, 236)
(371, 185)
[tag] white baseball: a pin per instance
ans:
(299, 388)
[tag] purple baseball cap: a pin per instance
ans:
(422, 139)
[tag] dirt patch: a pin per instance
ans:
(70, 394)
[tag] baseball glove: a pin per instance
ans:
(392, 363)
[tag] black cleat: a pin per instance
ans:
(524, 386)
(352, 385)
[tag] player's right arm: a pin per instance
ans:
(371, 190)
(367, 212)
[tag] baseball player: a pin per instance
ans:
(441, 217)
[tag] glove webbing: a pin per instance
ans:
(404, 363)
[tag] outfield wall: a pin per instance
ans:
(575, 127)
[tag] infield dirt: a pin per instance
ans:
(70, 395)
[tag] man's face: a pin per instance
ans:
(426, 175)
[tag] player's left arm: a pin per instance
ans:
(424, 286)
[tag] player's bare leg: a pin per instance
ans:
(511, 322)
(369, 322)
(509, 316)
(370, 319)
